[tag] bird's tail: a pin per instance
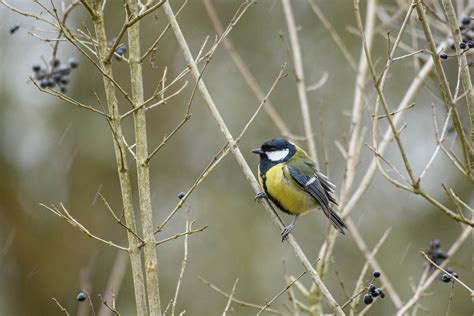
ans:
(337, 221)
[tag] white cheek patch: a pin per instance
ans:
(277, 155)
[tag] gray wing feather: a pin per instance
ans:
(319, 187)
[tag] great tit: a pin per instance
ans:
(293, 183)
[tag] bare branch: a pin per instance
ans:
(70, 100)
(186, 233)
(226, 310)
(286, 288)
(64, 214)
(64, 310)
(471, 291)
(300, 80)
(235, 300)
(424, 286)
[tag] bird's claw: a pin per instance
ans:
(285, 232)
(260, 196)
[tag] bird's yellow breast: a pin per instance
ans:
(286, 192)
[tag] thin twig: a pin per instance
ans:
(359, 284)
(153, 46)
(280, 76)
(235, 300)
(300, 80)
(471, 291)
(119, 220)
(186, 233)
(64, 214)
(232, 292)
(183, 265)
(108, 307)
(267, 304)
(114, 284)
(64, 310)
(388, 286)
(68, 99)
(335, 36)
(444, 87)
(245, 71)
(424, 285)
(464, 73)
(126, 25)
(214, 162)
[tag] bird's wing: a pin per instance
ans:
(319, 187)
(310, 182)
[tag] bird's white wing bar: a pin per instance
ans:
(310, 181)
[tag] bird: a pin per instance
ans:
(292, 181)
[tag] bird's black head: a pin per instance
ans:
(276, 150)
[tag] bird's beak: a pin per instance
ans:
(257, 151)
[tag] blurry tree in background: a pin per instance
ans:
(132, 80)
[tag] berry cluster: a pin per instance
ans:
(435, 253)
(56, 75)
(447, 277)
(373, 291)
(467, 33)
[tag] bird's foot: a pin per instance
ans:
(286, 231)
(260, 196)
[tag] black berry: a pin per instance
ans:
(445, 278)
(376, 274)
(55, 63)
(368, 299)
(470, 44)
(50, 83)
(462, 45)
(466, 20)
(454, 274)
(121, 50)
(81, 296)
(436, 243)
(372, 287)
(382, 294)
(14, 28)
(43, 83)
(36, 68)
(439, 254)
(73, 63)
(41, 74)
(443, 56)
(64, 81)
(376, 292)
(64, 70)
(181, 195)
(57, 77)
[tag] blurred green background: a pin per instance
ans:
(51, 152)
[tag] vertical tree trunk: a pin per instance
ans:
(122, 164)
(143, 167)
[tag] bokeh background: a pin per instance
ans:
(51, 152)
